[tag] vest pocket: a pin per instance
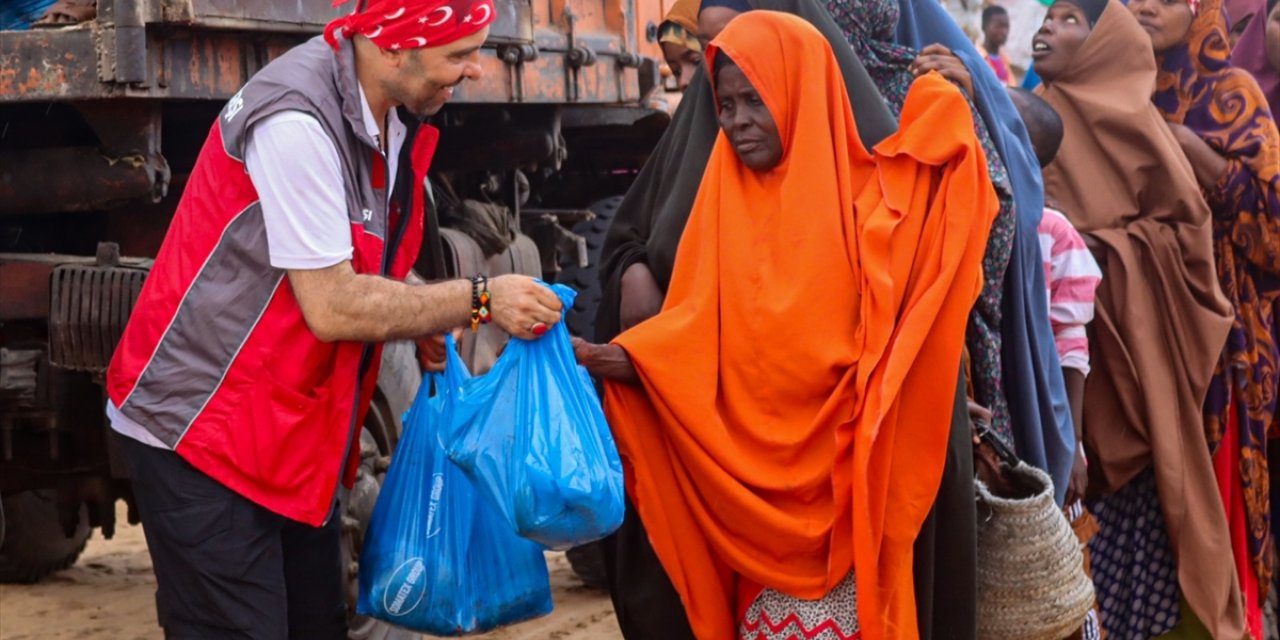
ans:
(289, 435)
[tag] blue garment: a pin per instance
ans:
(18, 15)
(1032, 79)
(1133, 565)
(1043, 431)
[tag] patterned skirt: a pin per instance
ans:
(1134, 569)
(777, 616)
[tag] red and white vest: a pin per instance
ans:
(217, 361)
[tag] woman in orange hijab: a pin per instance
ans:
(767, 442)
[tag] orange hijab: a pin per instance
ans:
(798, 384)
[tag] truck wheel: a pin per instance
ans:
(397, 384)
(586, 280)
(35, 544)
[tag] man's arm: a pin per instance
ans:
(296, 171)
(340, 304)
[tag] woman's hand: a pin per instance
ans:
(1208, 164)
(1078, 484)
(936, 57)
(986, 462)
(641, 298)
(432, 352)
(608, 361)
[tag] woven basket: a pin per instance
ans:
(1031, 579)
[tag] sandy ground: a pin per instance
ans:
(110, 595)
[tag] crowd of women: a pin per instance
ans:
(854, 247)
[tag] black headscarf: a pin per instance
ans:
(741, 6)
(1092, 8)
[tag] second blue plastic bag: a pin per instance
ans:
(437, 558)
(532, 437)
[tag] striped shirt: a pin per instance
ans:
(1073, 276)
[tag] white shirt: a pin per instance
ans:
(295, 169)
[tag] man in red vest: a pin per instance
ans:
(241, 382)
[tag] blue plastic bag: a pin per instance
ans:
(437, 558)
(532, 437)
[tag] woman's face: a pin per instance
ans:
(1273, 37)
(746, 121)
(1064, 29)
(1166, 22)
(682, 60)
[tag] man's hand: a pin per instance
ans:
(936, 57)
(641, 298)
(518, 303)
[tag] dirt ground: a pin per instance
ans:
(110, 595)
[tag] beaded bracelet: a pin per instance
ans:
(480, 302)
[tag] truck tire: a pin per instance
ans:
(35, 544)
(586, 280)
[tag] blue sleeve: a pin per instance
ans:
(1032, 80)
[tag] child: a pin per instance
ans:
(1073, 276)
(995, 33)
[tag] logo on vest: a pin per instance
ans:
(234, 105)
(405, 589)
(367, 214)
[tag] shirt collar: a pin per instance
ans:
(370, 123)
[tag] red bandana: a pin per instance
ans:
(411, 24)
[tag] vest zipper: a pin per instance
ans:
(366, 356)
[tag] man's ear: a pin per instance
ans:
(393, 59)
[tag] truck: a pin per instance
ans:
(100, 125)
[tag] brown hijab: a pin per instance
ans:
(685, 14)
(1161, 318)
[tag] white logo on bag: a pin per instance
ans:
(234, 105)
(408, 577)
(437, 490)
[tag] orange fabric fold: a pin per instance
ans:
(797, 386)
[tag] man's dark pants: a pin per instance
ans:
(228, 568)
